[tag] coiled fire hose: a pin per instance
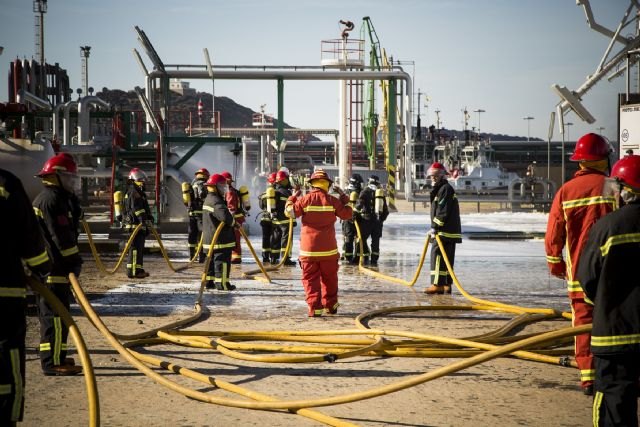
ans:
(232, 343)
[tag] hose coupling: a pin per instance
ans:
(330, 357)
(565, 361)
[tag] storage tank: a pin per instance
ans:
(24, 158)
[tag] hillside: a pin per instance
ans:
(234, 115)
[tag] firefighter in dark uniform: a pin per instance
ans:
(235, 205)
(348, 228)
(445, 223)
(364, 216)
(215, 211)
(380, 213)
(613, 246)
(18, 225)
(54, 209)
(280, 220)
(193, 196)
(137, 211)
(266, 200)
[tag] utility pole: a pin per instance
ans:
(528, 119)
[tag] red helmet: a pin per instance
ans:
(627, 171)
(138, 175)
(590, 147)
(59, 163)
(202, 171)
(227, 175)
(271, 178)
(216, 178)
(282, 175)
(320, 174)
(437, 169)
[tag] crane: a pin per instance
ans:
(370, 121)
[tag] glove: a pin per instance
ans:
(338, 190)
(432, 233)
(558, 269)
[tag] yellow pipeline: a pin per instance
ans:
(83, 353)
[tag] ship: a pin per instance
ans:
(479, 172)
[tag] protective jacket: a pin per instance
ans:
(234, 203)
(319, 211)
(215, 211)
(283, 193)
(53, 208)
(577, 205)
(445, 212)
(365, 205)
(136, 207)
(612, 248)
(21, 236)
(198, 192)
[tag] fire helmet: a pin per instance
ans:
(227, 175)
(215, 179)
(271, 178)
(59, 163)
(590, 147)
(282, 175)
(627, 171)
(137, 175)
(437, 169)
(202, 171)
(319, 174)
(356, 177)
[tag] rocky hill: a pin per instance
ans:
(232, 114)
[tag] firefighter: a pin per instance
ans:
(280, 221)
(445, 223)
(215, 211)
(238, 210)
(137, 211)
(318, 245)
(348, 228)
(577, 205)
(364, 217)
(193, 195)
(54, 209)
(375, 193)
(266, 201)
(18, 225)
(604, 275)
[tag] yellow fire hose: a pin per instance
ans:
(417, 345)
(256, 258)
(74, 332)
(94, 251)
(287, 252)
(493, 303)
(373, 273)
(300, 404)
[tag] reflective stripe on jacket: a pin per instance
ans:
(606, 272)
(577, 205)
(318, 211)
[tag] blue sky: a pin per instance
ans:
(501, 56)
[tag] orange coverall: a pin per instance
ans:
(577, 205)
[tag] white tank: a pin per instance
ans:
(25, 159)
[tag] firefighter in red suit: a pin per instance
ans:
(318, 246)
(577, 205)
(234, 203)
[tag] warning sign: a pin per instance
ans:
(629, 129)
